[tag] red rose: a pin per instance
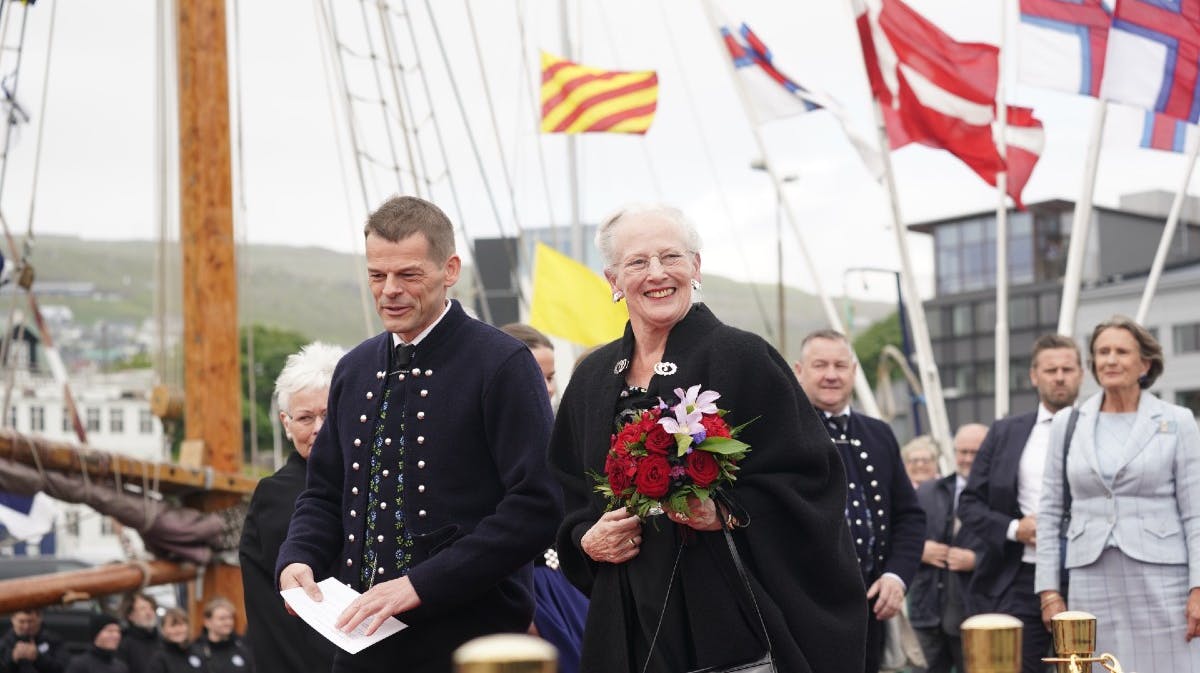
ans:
(714, 426)
(653, 476)
(659, 440)
(630, 434)
(619, 469)
(649, 421)
(702, 468)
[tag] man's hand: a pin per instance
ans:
(380, 602)
(1052, 604)
(299, 575)
(24, 650)
(934, 554)
(960, 560)
(1027, 530)
(890, 595)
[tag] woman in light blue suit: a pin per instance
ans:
(1133, 538)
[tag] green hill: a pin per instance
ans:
(315, 291)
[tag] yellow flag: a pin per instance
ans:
(570, 301)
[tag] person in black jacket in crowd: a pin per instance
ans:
(175, 654)
(937, 601)
(139, 638)
(218, 646)
(281, 643)
(28, 648)
(101, 657)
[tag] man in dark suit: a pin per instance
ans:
(279, 643)
(999, 504)
(434, 445)
(936, 604)
(886, 523)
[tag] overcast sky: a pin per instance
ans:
(97, 164)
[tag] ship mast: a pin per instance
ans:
(210, 320)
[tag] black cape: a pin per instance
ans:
(279, 642)
(792, 486)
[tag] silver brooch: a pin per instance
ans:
(621, 366)
(665, 368)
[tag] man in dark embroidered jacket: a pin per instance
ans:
(427, 486)
(887, 525)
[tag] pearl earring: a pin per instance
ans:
(695, 285)
(618, 296)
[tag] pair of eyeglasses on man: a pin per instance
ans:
(641, 263)
(306, 419)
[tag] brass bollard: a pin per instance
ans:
(506, 653)
(991, 644)
(1074, 633)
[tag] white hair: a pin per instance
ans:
(604, 235)
(310, 369)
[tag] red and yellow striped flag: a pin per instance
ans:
(579, 99)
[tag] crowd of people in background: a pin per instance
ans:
(854, 554)
(142, 639)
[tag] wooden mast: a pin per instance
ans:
(210, 319)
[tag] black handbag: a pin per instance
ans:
(1063, 574)
(764, 664)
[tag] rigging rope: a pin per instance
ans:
(712, 167)
(364, 291)
(387, 127)
(395, 73)
(487, 184)
(536, 112)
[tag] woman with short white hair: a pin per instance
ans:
(282, 642)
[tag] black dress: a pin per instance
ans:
(791, 485)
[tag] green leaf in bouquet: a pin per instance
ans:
(738, 429)
(683, 442)
(722, 445)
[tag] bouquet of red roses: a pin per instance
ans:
(671, 452)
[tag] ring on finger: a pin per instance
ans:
(632, 543)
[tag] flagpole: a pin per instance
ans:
(576, 249)
(1001, 364)
(1164, 243)
(862, 387)
(1080, 224)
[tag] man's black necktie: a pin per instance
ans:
(839, 423)
(403, 355)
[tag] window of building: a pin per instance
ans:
(1048, 308)
(961, 319)
(985, 315)
(93, 419)
(1187, 337)
(1051, 238)
(37, 419)
(966, 253)
(934, 316)
(1022, 312)
(116, 420)
(12, 418)
(145, 422)
(66, 420)
(1189, 399)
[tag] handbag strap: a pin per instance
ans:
(1066, 485)
(741, 569)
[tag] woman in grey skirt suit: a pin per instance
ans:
(1133, 540)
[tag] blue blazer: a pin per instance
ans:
(898, 520)
(1151, 509)
(989, 504)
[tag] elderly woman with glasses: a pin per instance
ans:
(1131, 491)
(665, 592)
(279, 641)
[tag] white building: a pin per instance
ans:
(115, 411)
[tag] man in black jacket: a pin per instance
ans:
(936, 604)
(434, 444)
(139, 638)
(28, 648)
(886, 523)
(999, 504)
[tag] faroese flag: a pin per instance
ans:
(570, 301)
(579, 99)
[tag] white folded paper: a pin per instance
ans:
(323, 615)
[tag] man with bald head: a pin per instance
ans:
(936, 605)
